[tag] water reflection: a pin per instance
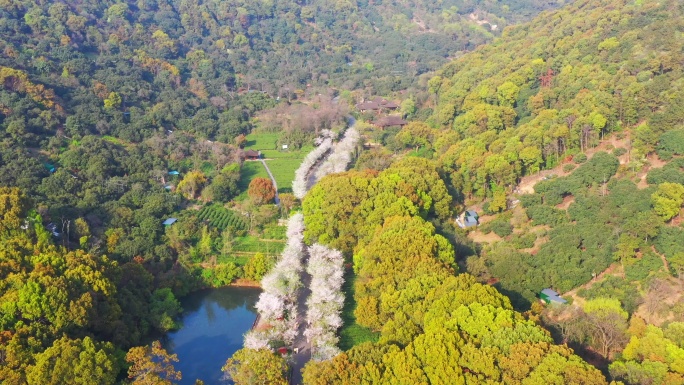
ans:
(213, 325)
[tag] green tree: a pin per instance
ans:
(113, 101)
(164, 307)
(74, 362)
(257, 266)
(668, 200)
(192, 184)
(13, 206)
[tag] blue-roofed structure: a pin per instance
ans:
(169, 221)
(174, 172)
(550, 296)
(468, 219)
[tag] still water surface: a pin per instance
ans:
(213, 324)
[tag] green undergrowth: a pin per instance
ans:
(351, 333)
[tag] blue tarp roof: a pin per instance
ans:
(552, 296)
(174, 172)
(169, 221)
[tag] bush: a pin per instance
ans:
(642, 268)
(619, 151)
(501, 228)
(529, 200)
(614, 287)
(224, 274)
(673, 172)
(546, 215)
(569, 167)
(524, 241)
(579, 158)
(258, 266)
(672, 141)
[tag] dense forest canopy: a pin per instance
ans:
(126, 182)
(556, 86)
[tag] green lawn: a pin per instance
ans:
(351, 333)
(239, 260)
(249, 171)
(282, 164)
(283, 171)
(252, 244)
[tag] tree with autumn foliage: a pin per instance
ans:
(249, 366)
(152, 365)
(192, 184)
(261, 190)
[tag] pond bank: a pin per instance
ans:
(213, 324)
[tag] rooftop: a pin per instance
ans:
(391, 120)
(169, 221)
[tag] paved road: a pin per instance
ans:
(277, 198)
(301, 343)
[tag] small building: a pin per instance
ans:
(377, 104)
(550, 296)
(469, 218)
(251, 154)
(51, 227)
(390, 121)
(174, 172)
(169, 221)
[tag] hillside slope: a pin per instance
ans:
(555, 86)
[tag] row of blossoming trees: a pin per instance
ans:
(324, 306)
(300, 184)
(277, 304)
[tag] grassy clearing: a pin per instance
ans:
(239, 260)
(352, 333)
(282, 164)
(249, 171)
(252, 244)
(283, 171)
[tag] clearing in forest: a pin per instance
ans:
(282, 162)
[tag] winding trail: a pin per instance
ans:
(275, 185)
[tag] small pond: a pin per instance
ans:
(213, 324)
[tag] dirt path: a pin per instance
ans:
(275, 185)
(613, 269)
(480, 237)
(653, 163)
(526, 185)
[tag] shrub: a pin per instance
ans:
(257, 266)
(579, 158)
(672, 141)
(529, 200)
(643, 267)
(546, 215)
(501, 228)
(569, 167)
(524, 241)
(619, 151)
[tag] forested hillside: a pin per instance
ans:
(556, 86)
(135, 144)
